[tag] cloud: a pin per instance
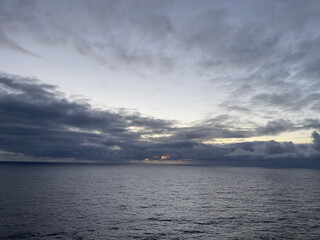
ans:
(294, 100)
(261, 58)
(316, 140)
(275, 127)
(8, 43)
(263, 53)
(110, 32)
(222, 126)
(268, 149)
(37, 121)
(278, 126)
(310, 123)
(160, 32)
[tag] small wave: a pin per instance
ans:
(54, 234)
(160, 219)
(25, 235)
(192, 231)
(207, 223)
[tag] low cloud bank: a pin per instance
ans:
(39, 121)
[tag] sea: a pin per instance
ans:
(136, 201)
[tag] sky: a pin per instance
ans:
(199, 82)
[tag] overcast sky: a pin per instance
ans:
(198, 81)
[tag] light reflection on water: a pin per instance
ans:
(48, 201)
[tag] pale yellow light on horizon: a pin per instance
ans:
(297, 137)
(162, 161)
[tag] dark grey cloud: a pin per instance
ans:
(310, 123)
(278, 126)
(274, 154)
(275, 127)
(223, 126)
(294, 100)
(38, 121)
(267, 149)
(316, 140)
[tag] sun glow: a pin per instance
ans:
(157, 158)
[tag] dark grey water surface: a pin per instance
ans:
(51, 201)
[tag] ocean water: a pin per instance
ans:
(52, 201)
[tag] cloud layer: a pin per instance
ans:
(268, 48)
(241, 70)
(37, 120)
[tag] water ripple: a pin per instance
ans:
(157, 202)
